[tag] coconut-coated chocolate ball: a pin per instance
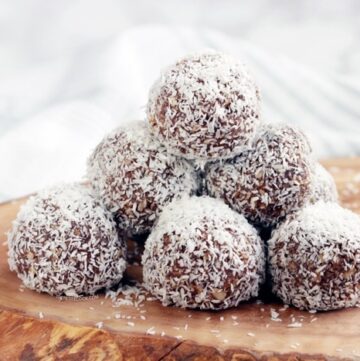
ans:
(205, 106)
(270, 180)
(323, 187)
(64, 243)
(203, 255)
(314, 258)
(135, 177)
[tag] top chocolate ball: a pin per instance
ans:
(205, 106)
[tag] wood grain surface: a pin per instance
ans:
(36, 326)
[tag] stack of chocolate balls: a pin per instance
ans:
(200, 178)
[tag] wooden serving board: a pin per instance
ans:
(36, 326)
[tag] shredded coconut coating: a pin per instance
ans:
(206, 106)
(64, 243)
(135, 177)
(268, 181)
(203, 255)
(323, 187)
(314, 258)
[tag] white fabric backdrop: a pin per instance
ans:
(54, 111)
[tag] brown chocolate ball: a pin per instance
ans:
(270, 180)
(201, 254)
(135, 177)
(323, 187)
(205, 106)
(64, 243)
(314, 258)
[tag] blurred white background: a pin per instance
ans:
(72, 70)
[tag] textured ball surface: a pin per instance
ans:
(323, 187)
(135, 177)
(268, 181)
(206, 106)
(314, 258)
(64, 243)
(201, 254)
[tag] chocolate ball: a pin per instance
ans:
(270, 180)
(135, 177)
(64, 243)
(323, 187)
(203, 255)
(205, 106)
(314, 258)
